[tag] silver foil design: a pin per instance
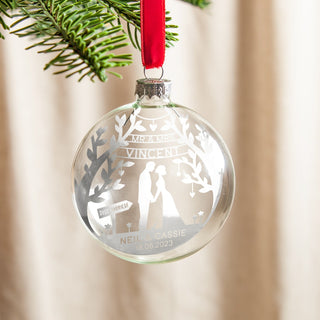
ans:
(153, 87)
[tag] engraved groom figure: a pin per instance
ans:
(144, 194)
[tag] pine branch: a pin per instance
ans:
(82, 34)
(5, 7)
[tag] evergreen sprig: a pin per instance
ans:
(5, 7)
(82, 35)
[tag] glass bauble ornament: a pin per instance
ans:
(152, 180)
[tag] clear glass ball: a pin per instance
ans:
(153, 181)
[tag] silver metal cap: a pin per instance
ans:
(153, 87)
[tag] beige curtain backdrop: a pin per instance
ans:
(252, 68)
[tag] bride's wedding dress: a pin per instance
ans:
(169, 209)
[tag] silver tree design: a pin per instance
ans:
(195, 176)
(82, 188)
(195, 155)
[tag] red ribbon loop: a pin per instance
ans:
(153, 33)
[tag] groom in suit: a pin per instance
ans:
(144, 194)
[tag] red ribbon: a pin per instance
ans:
(153, 34)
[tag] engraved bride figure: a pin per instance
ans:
(169, 209)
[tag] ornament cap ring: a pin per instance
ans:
(148, 78)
